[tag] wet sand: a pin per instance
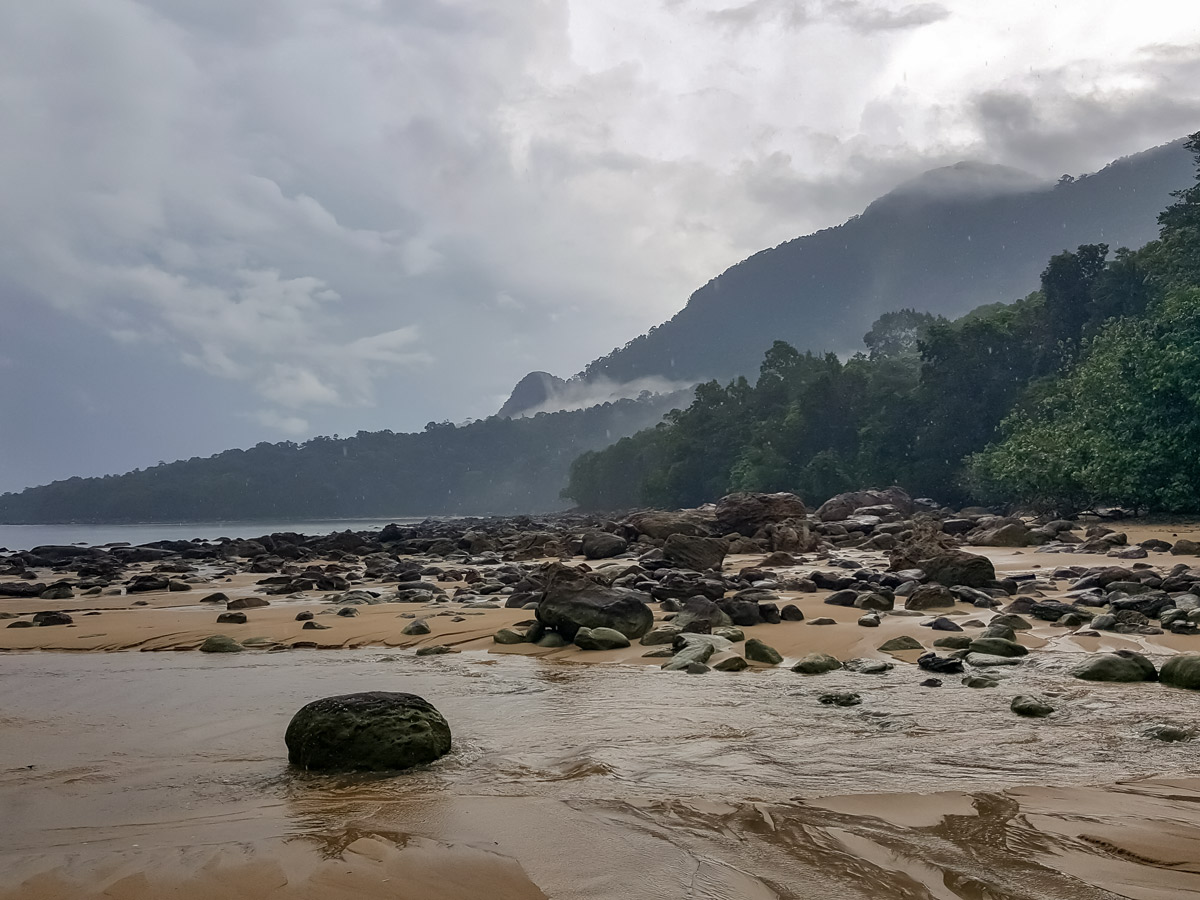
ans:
(133, 776)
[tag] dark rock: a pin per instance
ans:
(842, 598)
(701, 616)
(314, 626)
(997, 647)
(231, 618)
(757, 651)
(572, 601)
(1122, 666)
(840, 698)
(247, 603)
(1182, 671)
(791, 613)
(1030, 707)
(903, 642)
(747, 512)
(52, 618)
(929, 596)
(373, 731)
(959, 567)
(943, 665)
(215, 598)
(816, 664)
(696, 553)
(602, 545)
(303, 616)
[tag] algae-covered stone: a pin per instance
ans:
(983, 660)
(220, 643)
(420, 626)
(981, 681)
(903, 642)
(690, 652)
(551, 640)
(600, 639)
(730, 633)
(508, 636)
(997, 647)
(757, 651)
(816, 664)
(435, 650)
(728, 662)
(953, 642)
(1030, 706)
(1124, 666)
(661, 634)
(372, 731)
(1182, 671)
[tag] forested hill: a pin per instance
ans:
(942, 244)
(1086, 392)
(493, 466)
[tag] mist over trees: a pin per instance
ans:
(1085, 392)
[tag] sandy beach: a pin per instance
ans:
(163, 774)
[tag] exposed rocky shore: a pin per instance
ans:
(729, 586)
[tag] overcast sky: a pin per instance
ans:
(226, 221)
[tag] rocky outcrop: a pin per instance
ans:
(843, 506)
(746, 512)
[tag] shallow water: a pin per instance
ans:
(26, 537)
(603, 781)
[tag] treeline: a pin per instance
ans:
(1085, 392)
(492, 466)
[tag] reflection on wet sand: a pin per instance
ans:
(137, 776)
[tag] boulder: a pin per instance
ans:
(231, 618)
(602, 545)
(661, 525)
(816, 664)
(1030, 706)
(1123, 666)
(1011, 535)
(840, 698)
(843, 506)
(508, 636)
(746, 512)
(757, 651)
(52, 618)
(371, 731)
(661, 634)
(997, 647)
(943, 665)
(903, 642)
(240, 602)
(220, 643)
(600, 639)
(929, 596)
(416, 627)
(1182, 671)
(696, 553)
(959, 567)
(1184, 547)
(728, 662)
(701, 616)
(572, 601)
(694, 649)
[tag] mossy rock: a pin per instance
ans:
(372, 731)
(816, 664)
(993, 646)
(903, 642)
(1122, 666)
(953, 642)
(757, 651)
(1031, 707)
(1182, 671)
(220, 643)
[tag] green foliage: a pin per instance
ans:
(1122, 428)
(899, 333)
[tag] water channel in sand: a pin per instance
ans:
(138, 775)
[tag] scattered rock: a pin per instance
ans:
(840, 698)
(816, 664)
(757, 651)
(220, 643)
(600, 639)
(1030, 706)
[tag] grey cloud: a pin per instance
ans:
(857, 15)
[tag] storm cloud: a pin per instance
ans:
(226, 222)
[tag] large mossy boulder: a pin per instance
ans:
(600, 639)
(372, 731)
(757, 651)
(696, 553)
(1122, 666)
(1182, 671)
(573, 600)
